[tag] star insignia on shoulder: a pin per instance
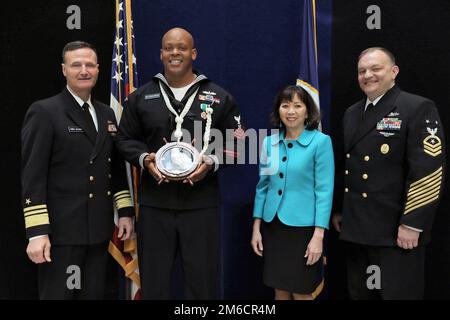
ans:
(28, 202)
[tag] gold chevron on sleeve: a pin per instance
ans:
(425, 184)
(424, 191)
(432, 145)
(36, 216)
(123, 199)
(431, 175)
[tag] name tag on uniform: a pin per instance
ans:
(152, 96)
(75, 129)
(393, 124)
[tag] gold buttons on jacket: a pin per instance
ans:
(109, 193)
(365, 176)
(348, 155)
(364, 195)
(91, 178)
(109, 159)
(366, 158)
(384, 148)
(346, 172)
(91, 195)
(346, 189)
(109, 176)
(91, 162)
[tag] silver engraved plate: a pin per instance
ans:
(177, 160)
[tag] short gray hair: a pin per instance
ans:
(75, 45)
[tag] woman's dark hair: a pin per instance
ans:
(287, 94)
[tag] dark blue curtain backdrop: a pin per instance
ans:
(252, 49)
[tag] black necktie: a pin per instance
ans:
(89, 121)
(368, 108)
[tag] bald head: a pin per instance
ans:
(178, 33)
(177, 55)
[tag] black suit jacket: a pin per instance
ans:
(70, 177)
(394, 168)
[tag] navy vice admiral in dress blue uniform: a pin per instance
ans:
(71, 178)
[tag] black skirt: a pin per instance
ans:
(284, 262)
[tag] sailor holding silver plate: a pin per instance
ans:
(179, 193)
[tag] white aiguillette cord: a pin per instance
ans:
(180, 118)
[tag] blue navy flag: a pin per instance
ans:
(124, 82)
(308, 77)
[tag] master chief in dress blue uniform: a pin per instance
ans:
(393, 176)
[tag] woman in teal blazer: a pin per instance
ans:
(293, 198)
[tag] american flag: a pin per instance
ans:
(124, 82)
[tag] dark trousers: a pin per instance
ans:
(161, 233)
(75, 273)
(402, 272)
